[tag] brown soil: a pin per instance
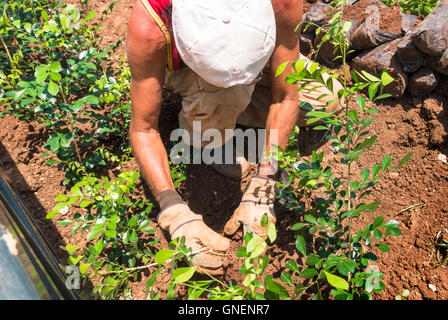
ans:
(390, 18)
(404, 125)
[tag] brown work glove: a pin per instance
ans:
(180, 221)
(258, 199)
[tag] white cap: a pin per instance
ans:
(226, 42)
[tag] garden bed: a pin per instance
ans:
(403, 125)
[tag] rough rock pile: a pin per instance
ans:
(414, 52)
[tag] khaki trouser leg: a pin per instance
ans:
(215, 108)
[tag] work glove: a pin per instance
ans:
(258, 199)
(180, 221)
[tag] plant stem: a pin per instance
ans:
(78, 154)
(148, 265)
(7, 51)
(410, 207)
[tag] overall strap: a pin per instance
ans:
(165, 32)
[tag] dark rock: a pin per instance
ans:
(384, 57)
(436, 63)
(368, 36)
(409, 55)
(423, 82)
(306, 43)
(316, 15)
(431, 36)
(442, 88)
(444, 59)
(407, 22)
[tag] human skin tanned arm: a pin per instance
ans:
(146, 51)
(284, 108)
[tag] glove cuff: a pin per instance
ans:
(167, 198)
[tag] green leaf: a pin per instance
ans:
(386, 78)
(55, 67)
(373, 88)
(377, 234)
(149, 230)
(134, 236)
(286, 278)
(65, 222)
(264, 220)
(272, 232)
(164, 255)
(391, 224)
(281, 68)
(41, 73)
(299, 226)
(386, 163)
(312, 259)
(394, 231)
(367, 143)
(375, 170)
(383, 247)
(55, 76)
(58, 207)
(53, 88)
(369, 76)
(99, 246)
(83, 267)
(361, 102)
(259, 248)
(51, 162)
(275, 287)
(110, 233)
(70, 248)
(90, 15)
(61, 197)
(241, 252)
(337, 282)
(353, 156)
(405, 159)
(365, 173)
(301, 244)
(309, 218)
(346, 267)
(378, 221)
(95, 231)
(183, 274)
(353, 115)
(84, 203)
(133, 221)
(292, 265)
(74, 259)
(253, 243)
(153, 277)
(308, 273)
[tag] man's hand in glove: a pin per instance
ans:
(180, 221)
(258, 199)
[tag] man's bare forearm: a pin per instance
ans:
(152, 158)
(282, 118)
(147, 145)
